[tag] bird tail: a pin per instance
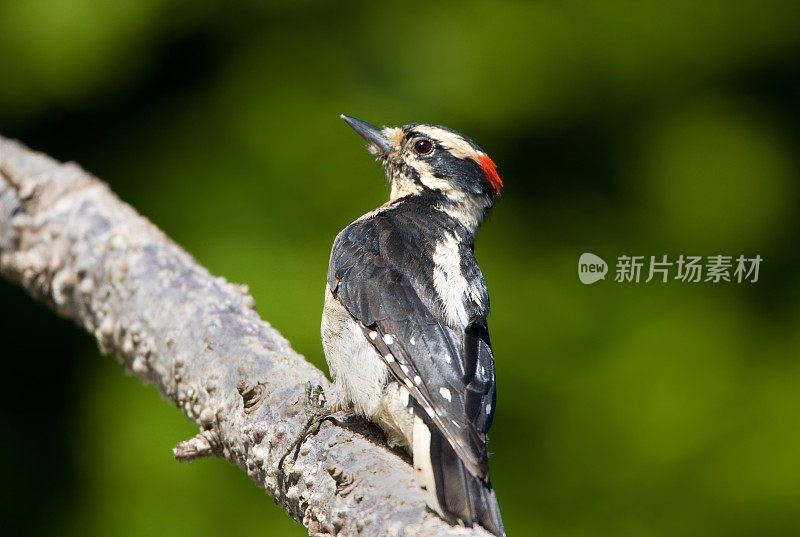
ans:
(449, 488)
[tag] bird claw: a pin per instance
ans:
(316, 412)
(315, 398)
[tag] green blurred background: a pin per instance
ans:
(644, 128)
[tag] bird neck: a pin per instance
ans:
(443, 214)
(468, 211)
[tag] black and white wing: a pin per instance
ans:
(449, 370)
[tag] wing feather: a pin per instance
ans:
(449, 371)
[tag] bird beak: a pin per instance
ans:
(378, 143)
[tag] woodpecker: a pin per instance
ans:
(404, 325)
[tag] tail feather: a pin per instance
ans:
(449, 488)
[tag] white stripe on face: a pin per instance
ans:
(454, 143)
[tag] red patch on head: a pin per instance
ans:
(489, 169)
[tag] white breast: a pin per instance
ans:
(360, 375)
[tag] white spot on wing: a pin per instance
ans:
(489, 409)
(417, 380)
(412, 341)
(389, 358)
(388, 339)
(373, 335)
(444, 392)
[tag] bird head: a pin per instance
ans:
(434, 163)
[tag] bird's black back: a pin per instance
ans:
(382, 270)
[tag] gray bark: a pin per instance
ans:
(68, 240)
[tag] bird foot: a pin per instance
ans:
(316, 412)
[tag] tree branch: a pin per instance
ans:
(76, 247)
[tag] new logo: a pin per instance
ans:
(591, 268)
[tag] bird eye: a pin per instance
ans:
(423, 146)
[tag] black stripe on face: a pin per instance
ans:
(465, 174)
